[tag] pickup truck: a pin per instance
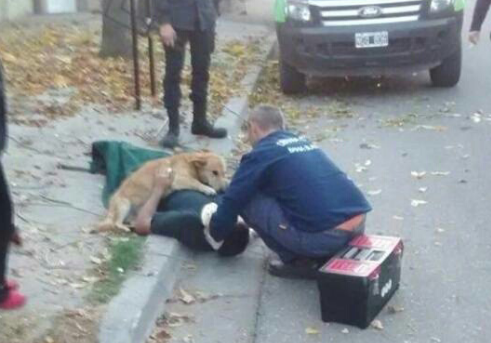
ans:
(368, 37)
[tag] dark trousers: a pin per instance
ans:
(185, 226)
(266, 217)
(6, 228)
(202, 44)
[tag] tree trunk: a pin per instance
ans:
(116, 34)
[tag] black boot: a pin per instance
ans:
(201, 126)
(171, 139)
(204, 128)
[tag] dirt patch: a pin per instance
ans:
(54, 70)
(75, 326)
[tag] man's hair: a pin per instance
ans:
(268, 117)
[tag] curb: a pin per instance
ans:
(131, 315)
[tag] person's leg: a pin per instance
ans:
(325, 244)
(185, 226)
(174, 63)
(264, 215)
(6, 231)
(202, 44)
(300, 252)
(9, 298)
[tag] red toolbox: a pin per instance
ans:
(356, 283)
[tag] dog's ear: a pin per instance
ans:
(198, 161)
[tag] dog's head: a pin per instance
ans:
(211, 170)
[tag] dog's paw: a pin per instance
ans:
(103, 227)
(123, 228)
(209, 191)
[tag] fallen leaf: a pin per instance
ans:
(430, 127)
(312, 331)
(377, 324)
(416, 203)
(186, 297)
(440, 173)
(95, 260)
(360, 168)
(9, 58)
(59, 81)
(418, 175)
(375, 192)
(392, 309)
(90, 279)
(476, 117)
(368, 146)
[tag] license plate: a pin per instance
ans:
(372, 39)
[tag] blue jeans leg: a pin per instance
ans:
(265, 216)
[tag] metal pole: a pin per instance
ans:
(151, 56)
(136, 64)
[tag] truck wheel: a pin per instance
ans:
(447, 74)
(291, 80)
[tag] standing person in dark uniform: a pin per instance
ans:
(180, 22)
(10, 298)
(480, 11)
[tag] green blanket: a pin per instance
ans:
(117, 160)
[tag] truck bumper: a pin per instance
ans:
(331, 51)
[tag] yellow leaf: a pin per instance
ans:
(59, 82)
(9, 58)
(311, 331)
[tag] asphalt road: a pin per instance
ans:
(392, 127)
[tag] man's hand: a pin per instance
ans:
(167, 35)
(474, 37)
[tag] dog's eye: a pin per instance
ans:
(215, 173)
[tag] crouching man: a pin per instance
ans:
(297, 200)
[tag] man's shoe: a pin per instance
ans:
(204, 128)
(14, 300)
(301, 268)
(170, 140)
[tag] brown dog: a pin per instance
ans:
(200, 171)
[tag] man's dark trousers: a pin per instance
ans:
(6, 228)
(202, 44)
(265, 216)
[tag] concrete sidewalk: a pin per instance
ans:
(57, 209)
(132, 314)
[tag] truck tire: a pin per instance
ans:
(291, 80)
(447, 74)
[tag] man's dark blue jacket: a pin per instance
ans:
(314, 194)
